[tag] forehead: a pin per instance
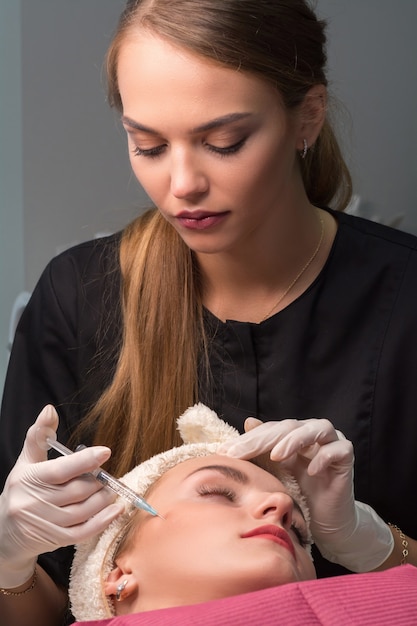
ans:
(149, 68)
(236, 470)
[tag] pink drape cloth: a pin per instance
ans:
(384, 598)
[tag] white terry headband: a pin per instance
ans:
(202, 432)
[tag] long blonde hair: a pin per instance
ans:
(163, 338)
(163, 334)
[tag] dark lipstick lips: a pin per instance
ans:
(196, 215)
(200, 220)
(276, 532)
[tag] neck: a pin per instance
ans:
(246, 286)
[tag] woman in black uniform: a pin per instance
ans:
(243, 289)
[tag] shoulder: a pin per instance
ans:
(84, 277)
(86, 267)
(374, 250)
(88, 258)
(381, 233)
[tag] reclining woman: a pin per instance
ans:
(226, 527)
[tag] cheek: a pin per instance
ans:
(149, 177)
(164, 546)
(198, 526)
(275, 166)
(259, 175)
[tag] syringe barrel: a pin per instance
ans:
(116, 485)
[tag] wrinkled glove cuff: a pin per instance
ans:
(370, 544)
(11, 577)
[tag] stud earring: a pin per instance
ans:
(303, 154)
(120, 589)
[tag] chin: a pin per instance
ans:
(259, 582)
(203, 244)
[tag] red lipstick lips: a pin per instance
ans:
(273, 533)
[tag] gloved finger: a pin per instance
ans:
(97, 523)
(337, 454)
(251, 423)
(75, 513)
(31, 451)
(56, 536)
(81, 512)
(258, 440)
(61, 470)
(294, 464)
(62, 494)
(305, 438)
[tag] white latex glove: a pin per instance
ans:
(49, 504)
(345, 531)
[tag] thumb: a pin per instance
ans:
(35, 446)
(251, 423)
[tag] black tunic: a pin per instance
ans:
(346, 350)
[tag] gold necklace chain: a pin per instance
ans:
(300, 273)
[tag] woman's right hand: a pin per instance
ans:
(47, 504)
(321, 459)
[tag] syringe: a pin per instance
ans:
(106, 479)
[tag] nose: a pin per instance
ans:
(275, 506)
(187, 177)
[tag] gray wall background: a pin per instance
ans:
(64, 170)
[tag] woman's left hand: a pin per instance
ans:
(321, 459)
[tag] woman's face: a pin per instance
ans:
(229, 528)
(214, 148)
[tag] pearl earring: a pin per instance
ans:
(120, 589)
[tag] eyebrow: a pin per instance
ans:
(228, 472)
(239, 477)
(212, 124)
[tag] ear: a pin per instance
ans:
(312, 115)
(123, 586)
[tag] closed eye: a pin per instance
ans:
(213, 490)
(302, 535)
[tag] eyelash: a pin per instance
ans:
(206, 490)
(233, 149)
(154, 153)
(301, 534)
(151, 153)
